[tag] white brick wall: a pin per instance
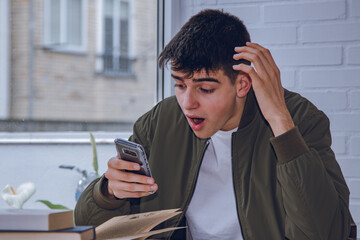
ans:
(281, 35)
(335, 77)
(317, 47)
(355, 100)
(304, 11)
(312, 33)
(307, 56)
(354, 6)
(353, 55)
(354, 146)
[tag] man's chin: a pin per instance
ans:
(202, 135)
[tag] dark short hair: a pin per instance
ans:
(206, 41)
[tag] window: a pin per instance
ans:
(59, 91)
(64, 24)
(116, 53)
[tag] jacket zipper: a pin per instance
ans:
(233, 175)
(192, 187)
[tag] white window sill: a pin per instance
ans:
(64, 49)
(104, 138)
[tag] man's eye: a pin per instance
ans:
(179, 86)
(207, 90)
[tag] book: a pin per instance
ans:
(135, 226)
(74, 233)
(35, 219)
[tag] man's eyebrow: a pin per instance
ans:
(208, 79)
(177, 77)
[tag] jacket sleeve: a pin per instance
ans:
(315, 195)
(93, 207)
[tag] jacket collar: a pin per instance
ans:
(250, 109)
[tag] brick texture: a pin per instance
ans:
(354, 145)
(329, 78)
(354, 8)
(281, 35)
(350, 167)
(339, 144)
(355, 100)
(345, 122)
(328, 100)
(306, 11)
(353, 55)
(308, 56)
(355, 186)
(331, 32)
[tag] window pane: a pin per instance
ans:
(54, 21)
(108, 25)
(96, 89)
(124, 28)
(108, 36)
(74, 22)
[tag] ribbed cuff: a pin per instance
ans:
(289, 145)
(101, 199)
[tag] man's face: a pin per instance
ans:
(209, 101)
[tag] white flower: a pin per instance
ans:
(16, 199)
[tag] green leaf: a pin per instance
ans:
(53, 206)
(95, 159)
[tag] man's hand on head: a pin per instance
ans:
(265, 77)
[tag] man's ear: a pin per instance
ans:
(242, 84)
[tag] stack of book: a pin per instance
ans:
(42, 224)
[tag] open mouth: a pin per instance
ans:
(197, 121)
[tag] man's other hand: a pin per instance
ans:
(265, 77)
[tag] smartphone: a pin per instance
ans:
(133, 152)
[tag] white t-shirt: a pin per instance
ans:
(212, 212)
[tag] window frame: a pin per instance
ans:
(169, 23)
(47, 44)
(5, 46)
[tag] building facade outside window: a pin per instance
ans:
(80, 65)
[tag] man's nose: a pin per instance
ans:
(190, 100)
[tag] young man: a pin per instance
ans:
(242, 157)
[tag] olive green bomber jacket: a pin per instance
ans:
(288, 187)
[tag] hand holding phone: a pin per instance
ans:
(133, 152)
(129, 177)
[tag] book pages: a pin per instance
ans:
(129, 225)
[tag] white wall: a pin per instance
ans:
(316, 44)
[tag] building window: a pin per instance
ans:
(116, 52)
(64, 24)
